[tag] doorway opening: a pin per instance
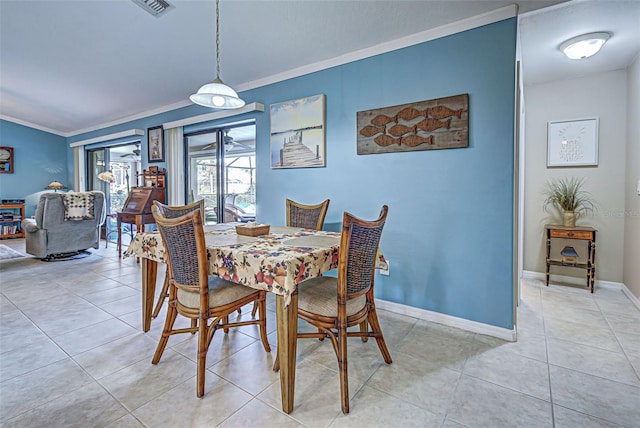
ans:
(124, 161)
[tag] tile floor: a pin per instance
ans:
(73, 354)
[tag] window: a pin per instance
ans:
(222, 171)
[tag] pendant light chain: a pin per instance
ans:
(218, 39)
(216, 94)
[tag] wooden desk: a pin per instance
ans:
(576, 233)
(137, 210)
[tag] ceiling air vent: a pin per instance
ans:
(156, 8)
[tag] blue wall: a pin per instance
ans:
(40, 158)
(449, 232)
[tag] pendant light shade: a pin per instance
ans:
(216, 94)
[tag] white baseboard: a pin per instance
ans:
(448, 320)
(527, 274)
(487, 329)
(573, 280)
(631, 296)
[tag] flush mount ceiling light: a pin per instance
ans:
(216, 94)
(584, 46)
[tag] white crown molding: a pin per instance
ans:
(392, 45)
(449, 320)
(31, 125)
(500, 14)
(108, 137)
(219, 114)
(142, 115)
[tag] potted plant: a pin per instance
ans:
(568, 196)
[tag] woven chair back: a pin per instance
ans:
(306, 216)
(177, 211)
(361, 239)
(185, 246)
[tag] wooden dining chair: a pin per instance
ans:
(173, 212)
(306, 216)
(334, 304)
(196, 295)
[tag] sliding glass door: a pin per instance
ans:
(221, 170)
(124, 162)
(97, 163)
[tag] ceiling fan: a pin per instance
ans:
(135, 153)
(229, 144)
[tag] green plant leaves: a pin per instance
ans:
(566, 194)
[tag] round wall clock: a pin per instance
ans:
(6, 160)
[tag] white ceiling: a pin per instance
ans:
(73, 66)
(542, 31)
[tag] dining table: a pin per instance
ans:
(278, 262)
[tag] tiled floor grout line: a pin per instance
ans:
(613, 331)
(77, 364)
(591, 416)
(69, 357)
(237, 411)
(254, 396)
(450, 401)
(615, 334)
(599, 377)
(478, 348)
(548, 362)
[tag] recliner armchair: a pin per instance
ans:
(62, 229)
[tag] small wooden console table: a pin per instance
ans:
(578, 233)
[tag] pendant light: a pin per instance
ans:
(216, 94)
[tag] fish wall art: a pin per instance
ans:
(441, 123)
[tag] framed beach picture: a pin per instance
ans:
(155, 141)
(572, 142)
(298, 133)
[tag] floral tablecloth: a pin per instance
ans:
(273, 262)
(276, 262)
